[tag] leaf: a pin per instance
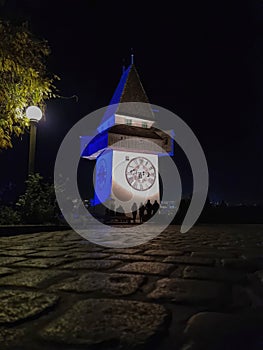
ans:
(24, 79)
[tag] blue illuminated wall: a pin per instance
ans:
(103, 182)
(97, 143)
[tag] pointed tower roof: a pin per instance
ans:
(130, 89)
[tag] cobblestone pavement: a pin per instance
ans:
(200, 290)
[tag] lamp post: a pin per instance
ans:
(34, 114)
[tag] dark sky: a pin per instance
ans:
(203, 61)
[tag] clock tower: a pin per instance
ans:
(127, 147)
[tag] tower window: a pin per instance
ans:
(128, 122)
(144, 125)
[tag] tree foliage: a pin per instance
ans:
(24, 80)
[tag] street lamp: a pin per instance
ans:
(34, 114)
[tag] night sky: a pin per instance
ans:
(202, 61)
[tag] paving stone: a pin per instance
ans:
(200, 290)
(91, 264)
(211, 330)
(152, 268)
(242, 263)
(215, 254)
(191, 260)
(41, 262)
(132, 257)
(189, 291)
(6, 260)
(182, 313)
(242, 298)
(11, 337)
(73, 238)
(124, 323)
(6, 271)
(48, 254)
(33, 278)
(114, 283)
(17, 253)
(122, 250)
(82, 248)
(256, 282)
(213, 273)
(17, 306)
(56, 247)
(162, 252)
(21, 247)
(87, 255)
(87, 243)
(259, 276)
(178, 272)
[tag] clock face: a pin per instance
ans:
(140, 173)
(101, 173)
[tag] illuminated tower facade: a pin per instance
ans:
(127, 147)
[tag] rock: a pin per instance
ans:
(124, 323)
(189, 291)
(152, 268)
(113, 284)
(17, 306)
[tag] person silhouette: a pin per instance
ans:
(120, 211)
(148, 208)
(141, 212)
(155, 207)
(134, 211)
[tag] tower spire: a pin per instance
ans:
(132, 56)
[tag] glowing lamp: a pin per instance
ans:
(34, 113)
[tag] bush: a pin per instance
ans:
(38, 204)
(9, 216)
